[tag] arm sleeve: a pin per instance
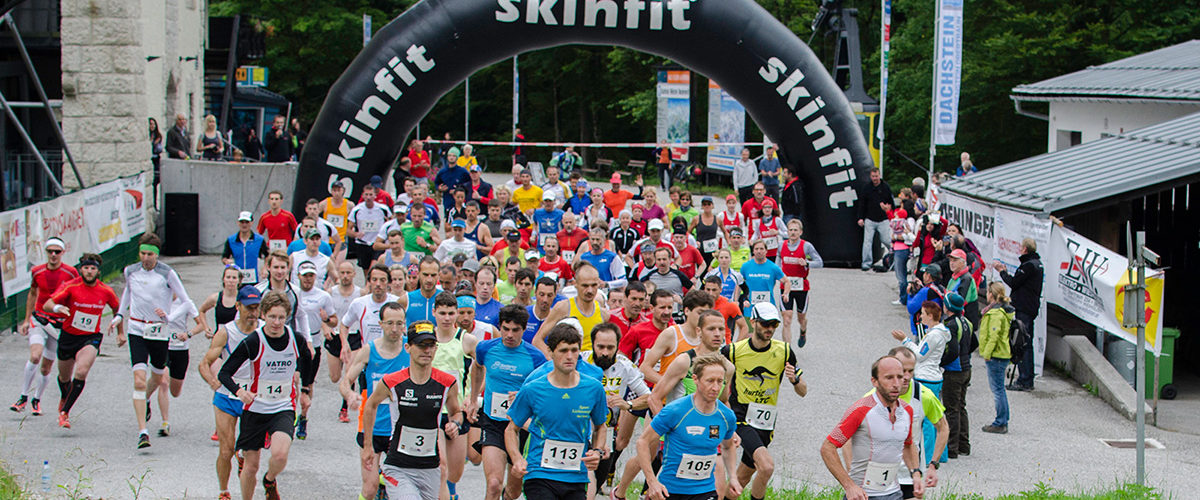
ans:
(227, 252)
(617, 269)
(240, 355)
(304, 363)
(182, 312)
(263, 249)
(683, 279)
(637, 382)
(814, 258)
(849, 424)
(176, 286)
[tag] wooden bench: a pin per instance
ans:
(635, 167)
(600, 166)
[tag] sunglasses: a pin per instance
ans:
(54, 252)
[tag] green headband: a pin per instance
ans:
(148, 248)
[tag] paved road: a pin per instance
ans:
(1053, 437)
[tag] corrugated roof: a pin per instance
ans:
(1169, 73)
(1091, 171)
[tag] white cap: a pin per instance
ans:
(245, 216)
(765, 311)
(575, 323)
(532, 254)
(548, 195)
(508, 224)
(654, 224)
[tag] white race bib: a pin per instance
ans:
(695, 466)
(249, 276)
(709, 246)
(499, 409)
(274, 391)
(417, 442)
(561, 455)
(242, 383)
(542, 237)
(772, 242)
(155, 331)
(274, 245)
(757, 297)
(880, 476)
(797, 284)
(336, 220)
(368, 226)
(569, 255)
(761, 416)
(84, 321)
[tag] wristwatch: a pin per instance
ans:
(935, 464)
(916, 471)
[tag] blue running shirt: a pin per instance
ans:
(560, 426)
(419, 307)
(378, 366)
(584, 368)
(507, 368)
(690, 444)
(762, 280)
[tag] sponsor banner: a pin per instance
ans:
(948, 71)
(102, 209)
(1088, 280)
(1011, 228)
(978, 220)
(674, 110)
(726, 124)
(64, 218)
(15, 248)
(134, 201)
(885, 51)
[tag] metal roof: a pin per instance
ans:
(1168, 73)
(1092, 171)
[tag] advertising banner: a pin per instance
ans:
(63, 217)
(133, 203)
(102, 209)
(978, 221)
(947, 72)
(14, 251)
(674, 110)
(726, 123)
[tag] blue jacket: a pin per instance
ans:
(245, 255)
(579, 204)
(914, 305)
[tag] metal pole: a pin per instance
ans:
(37, 84)
(467, 111)
(516, 95)
(1140, 359)
(32, 147)
(933, 94)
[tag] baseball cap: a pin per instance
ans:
(245, 216)
(548, 195)
(933, 269)
(735, 231)
(513, 234)
(311, 233)
(459, 223)
(338, 185)
(55, 242)
(679, 229)
(707, 200)
(638, 206)
(459, 259)
(401, 208)
(306, 267)
(958, 254)
(731, 197)
(471, 265)
(654, 224)
(532, 254)
(248, 296)
(768, 201)
(616, 179)
(376, 181)
(954, 302)
(508, 224)
(421, 332)
(765, 311)
(475, 168)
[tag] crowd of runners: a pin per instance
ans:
(536, 331)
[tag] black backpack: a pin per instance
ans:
(1020, 339)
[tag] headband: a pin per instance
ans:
(146, 247)
(54, 241)
(88, 262)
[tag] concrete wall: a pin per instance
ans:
(1093, 119)
(226, 189)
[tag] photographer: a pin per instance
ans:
(278, 141)
(921, 291)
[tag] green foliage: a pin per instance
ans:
(9, 486)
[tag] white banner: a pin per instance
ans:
(674, 110)
(1011, 228)
(133, 203)
(885, 51)
(102, 206)
(14, 251)
(63, 217)
(978, 221)
(726, 123)
(947, 73)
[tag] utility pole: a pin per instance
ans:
(1134, 316)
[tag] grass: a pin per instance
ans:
(10, 488)
(1040, 491)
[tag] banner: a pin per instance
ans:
(977, 220)
(102, 209)
(674, 110)
(885, 51)
(1087, 280)
(14, 245)
(133, 203)
(727, 124)
(63, 217)
(948, 47)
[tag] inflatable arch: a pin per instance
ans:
(429, 49)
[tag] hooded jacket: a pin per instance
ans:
(993, 332)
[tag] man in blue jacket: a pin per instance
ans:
(244, 248)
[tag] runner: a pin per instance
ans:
(675, 339)
(278, 266)
(322, 318)
(544, 294)
(298, 243)
(584, 307)
(336, 209)
(642, 336)
(395, 255)
(881, 426)
(500, 368)
(43, 327)
(149, 288)
(384, 355)
(554, 264)
(410, 469)
(276, 353)
(359, 326)
(226, 407)
(731, 280)
(732, 217)
(766, 228)
(456, 349)
(476, 230)
(224, 302)
(244, 248)
(342, 294)
(707, 230)
(607, 262)
(734, 321)
(634, 311)
(277, 225)
(486, 307)
(760, 365)
(566, 440)
(420, 301)
(177, 356)
(520, 292)
(796, 258)
(365, 221)
(676, 379)
(466, 318)
(624, 386)
(322, 264)
(763, 277)
(329, 233)
(739, 253)
(80, 303)
(570, 237)
(688, 460)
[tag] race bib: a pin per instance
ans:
(249, 276)
(880, 476)
(709, 246)
(274, 391)
(417, 442)
(797, 284)
(757, 297)
(277, 245)
(368, 226)
(772, 242)
(84, 321)
(242, 383)
(569, 255)
(761, 416)
(499, 410)
(156, 331)
(561, 455)
(695, 466)
(415, 256)
(542, 237)
(336, 220)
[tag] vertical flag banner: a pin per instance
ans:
(947, 71)
(885, 50)
(726, 123)
(674, 110)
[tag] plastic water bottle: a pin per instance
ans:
(46, 480)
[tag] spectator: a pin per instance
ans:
(965, 166)
(1026, 285)
(874, 202)
(418, 160)
(930, 239)
(902, 237)
(745, 176)
(441, 152)
(918, 190)
(156, 147)
(582, 198)
(791, 198)
(518, 150)
(957, 376)
(906, 201)
(962, 283)
(253, 146)
(560, 189)
(298, 137)
(401, 174)
(768, 169)
(752, 207)
(927, 289)
(565, 161)
(467, 159)
(616, 197)
(662, 160)
(450, 178)
(278, 142)
(515, 183)
(994, 349)
(596, 212)
(651, 209)
(177, 139)
(209, 145)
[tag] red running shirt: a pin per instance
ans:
(47, 281)
(86, 304)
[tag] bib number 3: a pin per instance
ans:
(418, 442)
(561, 455)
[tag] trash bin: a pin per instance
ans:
(1166, 367)
(1122, 355)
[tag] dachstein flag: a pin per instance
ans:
(947, 70)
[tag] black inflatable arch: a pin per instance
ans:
(429, 49)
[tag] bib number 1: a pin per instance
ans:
(880, 476)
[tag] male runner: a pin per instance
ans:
(384, 354)
(762, 279)
(691, 428)
(795, 259)
(177, 356)
(81, 302)
(584, 307)
(365, 222)
(42, 327)
(760, 365)
(487, 308)
(244, 248)
(278, 272)
(634, 311)
(881, 425)
(145, 302)
(624, 386)
(420, 301)
(466, 318)
(543, 295)
(360, 324)
(564, 413)
(456, 349)
(676, 339)
(323, 265)
(734, 321)
(226, 407)
(321, 315)
(643, 335)
(500, 369)
(610, 265)
(676, 381)
(276, 353)
(277, 225)
(419, 392)
(343, 293)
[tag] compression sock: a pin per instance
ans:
(76, 389)
(344, 404)
(452, 487)
(604, 469)
(42, 382)
(64, 388)
(27, 382)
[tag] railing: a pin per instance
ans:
(22, 180)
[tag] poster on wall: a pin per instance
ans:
(63, 217)
(133, 204)
(14, 241)
(726, 123)
(102, 209)
(674, 110)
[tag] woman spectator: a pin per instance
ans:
(156, 147)
(902, 237)
(209, 145)
(929, 239)
(468, 157)
(993, 347)
(652, 210)
(253, 146)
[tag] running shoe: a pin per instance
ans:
(165, 430)
(143, 441)
(63, 421)
(35, 407)
(267, 442)
(343, 417)
(215, 437)
(302, 428)
(19, 406)
(802, 340)
(224, 496)
(270, 488)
